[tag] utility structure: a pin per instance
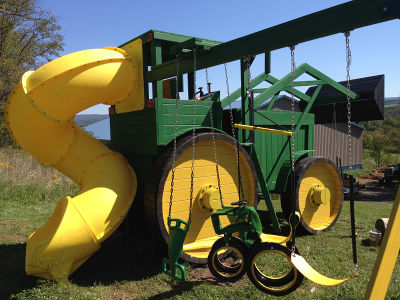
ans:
(143, 131)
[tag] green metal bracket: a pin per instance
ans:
(247, 221)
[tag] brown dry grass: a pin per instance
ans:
(19, 167)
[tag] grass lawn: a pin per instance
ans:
(28, 195)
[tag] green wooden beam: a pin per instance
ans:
(347, 16)
(151, 35)
(237, 93)
(284, 84)
(279, 85)
(308, 82)
(271, 79)
(258, 90)
(265, 191)
(319, 75)
(156, 59)
(267, 62)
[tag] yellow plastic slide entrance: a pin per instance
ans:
(39, 115)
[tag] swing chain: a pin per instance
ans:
(193, 134)
(293, 69)
(213, 141)
(348, 65)
(235, 141)
(175, 132)
(249, 94)
(349, 146)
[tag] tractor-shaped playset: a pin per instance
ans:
(195, 169)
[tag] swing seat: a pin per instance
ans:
(177, 234)
(304, 268)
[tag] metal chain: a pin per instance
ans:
(175, 131)
(214, 145)
(293, 69)
(193, 134)
(348, 65)
(336, 151)
(235, 141)
(349, 146)
(249, 94)
(292, 222)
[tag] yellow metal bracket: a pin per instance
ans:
(263, 129)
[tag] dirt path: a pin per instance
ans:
(374, 192)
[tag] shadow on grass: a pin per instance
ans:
(177, 290)
(115, 261)
(12, 270)
(119, 260)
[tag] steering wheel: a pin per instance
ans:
(239, 203)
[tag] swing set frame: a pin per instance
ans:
(160, 48)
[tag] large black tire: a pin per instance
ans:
(272, 282)
(313, 173)
(227, 262)
(201, 235)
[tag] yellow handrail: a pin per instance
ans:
(256, 128)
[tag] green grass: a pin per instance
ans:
(122, 271)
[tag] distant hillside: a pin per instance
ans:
(392, 101)
(392, 111)
(87, 119)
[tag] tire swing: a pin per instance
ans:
(298, 261)
(228, 255)
(241, 245)
(299, 264)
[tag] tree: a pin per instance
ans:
(379, 145)
(29, 37)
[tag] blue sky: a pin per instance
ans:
(96, 24)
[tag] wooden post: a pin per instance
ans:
(387, 255)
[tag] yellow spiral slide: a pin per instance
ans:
(39, 114)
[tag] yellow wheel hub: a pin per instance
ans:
(320, 195)
(209, 198)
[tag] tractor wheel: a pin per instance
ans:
(318, 194)
(206, 199)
